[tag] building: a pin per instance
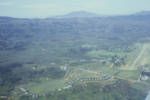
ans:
(145, 75)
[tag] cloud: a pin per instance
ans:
(58, 8)
(74, 4)
(37, 8)
(43, 9)
(6, 3)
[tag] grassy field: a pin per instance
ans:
(137, 57)
(44, 85)
(104, 53)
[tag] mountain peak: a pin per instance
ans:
(80, 14)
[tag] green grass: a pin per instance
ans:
(144, 59)
(104, 53)
(44, 85)
(139, 56)
(129, 74)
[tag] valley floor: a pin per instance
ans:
(91, 73)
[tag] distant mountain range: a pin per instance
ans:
(79, 14)
(85, 14)
(14, 32)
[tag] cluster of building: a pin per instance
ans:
(105, 77)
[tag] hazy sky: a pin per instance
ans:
(47, 8)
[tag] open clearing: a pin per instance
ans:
(138, 57)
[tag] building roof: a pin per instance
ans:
(146, 73)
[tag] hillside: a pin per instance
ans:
(42, 56)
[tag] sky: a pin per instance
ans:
(48, 8)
